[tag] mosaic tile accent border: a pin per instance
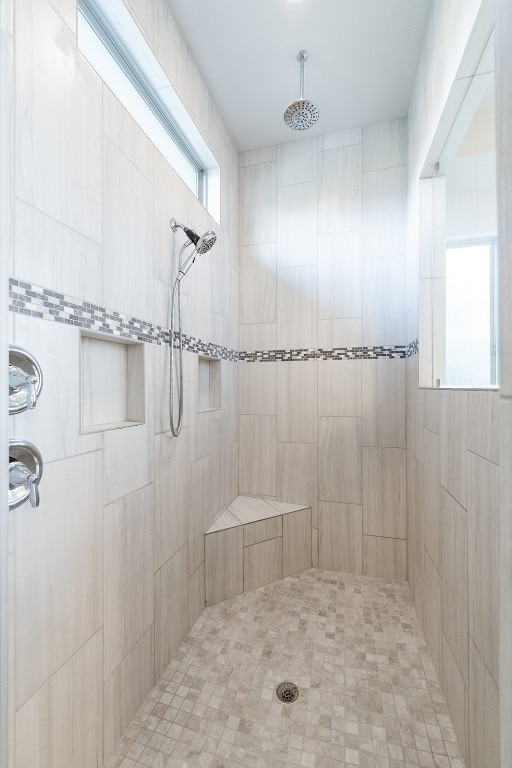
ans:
(47, 304)
(44, 303)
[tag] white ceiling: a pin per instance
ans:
(363, 59)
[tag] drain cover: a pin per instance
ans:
(287, 692)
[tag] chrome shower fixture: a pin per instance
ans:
(202, 244)
(302, 114)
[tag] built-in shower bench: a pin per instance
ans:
(254, 542)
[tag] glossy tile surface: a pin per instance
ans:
(369, 694)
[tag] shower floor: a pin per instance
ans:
(369, 694)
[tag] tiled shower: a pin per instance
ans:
(302, 330)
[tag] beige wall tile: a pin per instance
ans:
(296, 542)
(340, 191)
(257, 337)
(128, 568)
(263, 563)
(257, 387)
(432, 496)
(483, 558)
(339, 460)
(271, 528)
(224, 564)
(483, 723)
(59, 598)
(385, 145)
(126, 688)
(171, 608)
(196, 596)
(257, 452)
(339, 275)
(257, 156)
(340, 541)
(455, 691)
(384, 212)
(339, 139)
(127, 456)
(339, 387)
(340, 333)
(201, 512)
(297, 225)
(314, 547)
(172, 495)
(297, 162)
(296, 308)
(432, 608)
(455, 580)
(257, 208)
(384, 403)
(297, 473)
(257, 297)
(385, 558)
(384, 499)
(297, 402)
(483, 425)
(384, 301)
(454, 443)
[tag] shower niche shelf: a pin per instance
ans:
(111, 383)
(208, 384)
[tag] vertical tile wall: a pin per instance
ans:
(322, 266)
(109, 570)
(452, 453)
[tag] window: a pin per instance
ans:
(113, 44)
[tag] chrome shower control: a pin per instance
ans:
(25, 470)
(25, 380)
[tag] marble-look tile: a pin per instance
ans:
(385, 145)
(296, 542)
(339, 387)
(257, 387)
(340, 333)
(172, 495)
(484, 714)
(297, 225)
(297, 162)
(339, 139)
(384, 301)
(171, 608)
(384, 481)
(200, 512)
(296, 308)
(58, 114)
(297, 402)
(128, 569)
(340, 542)
(384, 403)
(196, 596)
(257, 337)
(248, 509)
(483, 425)
(483, 559)
(57, 613)
(225, 520)
(385, 558)
(384, 213)
(257, 156)
(263, 563)
(123, 131)
(257, 284)
(431, 489)
(257, 455)
(126, 687)
(58, 353)
(455, 691)
(127, 233)
(432, 608)
(339, 275)
(271, 528)
(454, 421)
(339, 459)
(297, 473)
(340, 190)
(257, 209)
(284, 507)
(454, 567)
(61, 725)
(128, 459)
(167, 186)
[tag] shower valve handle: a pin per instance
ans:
(18, 379)
(19, 474)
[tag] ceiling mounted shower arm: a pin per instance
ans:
(302, 56)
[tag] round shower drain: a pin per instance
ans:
(287, 692)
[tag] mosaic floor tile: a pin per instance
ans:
(369, 695)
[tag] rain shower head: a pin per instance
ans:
(302, 114)
(202, 243)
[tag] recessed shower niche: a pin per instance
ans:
(112, 383)
(208, 384)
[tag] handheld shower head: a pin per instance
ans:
(202, 243)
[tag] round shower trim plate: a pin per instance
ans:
(287, 692)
